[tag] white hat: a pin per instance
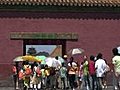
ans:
(65, 56)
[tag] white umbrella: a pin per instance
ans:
(118, 49)
(49, 61)
(75, 51)
(18, 59)
(52, 62)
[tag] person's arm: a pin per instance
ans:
(96, 66)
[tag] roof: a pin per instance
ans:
(63, 2)
(57, 51)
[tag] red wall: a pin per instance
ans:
(98, 32)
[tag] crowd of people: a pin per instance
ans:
(90, 73)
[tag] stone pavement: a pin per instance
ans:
(7, 84)
(11, 88)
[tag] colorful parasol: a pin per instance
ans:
(31, 58)
(75, 51)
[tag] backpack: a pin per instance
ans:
(28, 71)
(21, 74)
(38, 71)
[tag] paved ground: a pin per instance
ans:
(11, 88)
(8, 83)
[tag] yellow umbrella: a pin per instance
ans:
(31, 58)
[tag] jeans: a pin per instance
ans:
(72, 80)
(63, 82)
(93, 81)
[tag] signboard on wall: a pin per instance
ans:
(39, 35)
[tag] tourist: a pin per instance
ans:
(100, 66)
(72, 73)
(116, 63)
(63, 76)
(86, 73)
(92, 71)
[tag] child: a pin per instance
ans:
(63, 72)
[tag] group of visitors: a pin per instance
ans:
(94, 71)
(34, 75)
(90, 73)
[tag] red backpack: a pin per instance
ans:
(28, 71)
(21, 75)
(38, 71)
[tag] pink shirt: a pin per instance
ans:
(91, 67)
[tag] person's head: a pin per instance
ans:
(35, 64)
(65, 57)
(115, 51)
(82, 63)
(25, 62)
(92, 58)
(99, 56)
(46, 66)
(56, 57)
(84, 58)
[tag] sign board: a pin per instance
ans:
(39, 35)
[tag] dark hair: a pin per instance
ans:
(71, 60)
(115, 51)
(82, 63)
(35, 64)
(92, 57)
(25, 62)
(46, 66)
(56, 57)
(99, 56)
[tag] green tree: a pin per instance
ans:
(32, 51)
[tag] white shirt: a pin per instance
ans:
(100, 66)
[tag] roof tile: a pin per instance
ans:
(63, 2)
